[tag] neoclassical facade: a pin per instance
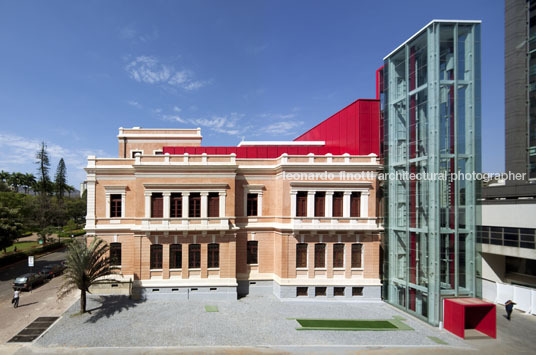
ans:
(297, 218)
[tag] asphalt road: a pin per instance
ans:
(9, 273)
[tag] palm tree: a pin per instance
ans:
(29, 182)
(86, 266)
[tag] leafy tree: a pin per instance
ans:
(75, 209)
(43, 162)
(86, 266)
(4, 176)
(28, 182)
(10, 226)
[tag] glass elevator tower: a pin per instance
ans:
(431, 125)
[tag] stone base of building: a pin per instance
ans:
(232, 290)
(218, 293)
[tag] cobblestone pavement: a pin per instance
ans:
(254, 321)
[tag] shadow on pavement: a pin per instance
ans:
(26, 304)
(111, 305)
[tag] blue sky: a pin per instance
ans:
(73, 72)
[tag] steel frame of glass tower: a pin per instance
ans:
(431, 125)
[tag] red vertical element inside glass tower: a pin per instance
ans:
(451, 184)
(412, 182)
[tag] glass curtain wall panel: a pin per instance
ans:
(431, 146)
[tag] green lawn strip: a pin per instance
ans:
(438, 341)
(352, 324)
(22, 246)
(400, 324)
(211, 308)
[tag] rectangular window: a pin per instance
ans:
(156, 256)
(213, 255)
(115, 206)
(252, 252)
(357, 291)
(338, 255)
(157, 205)
(301, 204)
(301, 291)
(175, 256)
(301, 255)
(252, 204)
(356, 255)
(213, 204)
(320, 255)
(175, 206)
(194, 256)
(320, 199)
(320, 291)
(337, 204)
(134, 152)
(355, 201)
(115, 254)
(338, 291)
(194, 202)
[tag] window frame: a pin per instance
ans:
(301, 204)
(194, 205)
(155, 258)
(320, 204)
(252, 258)
(191, 252)
(213, 256)
(175, 205)
(338, 204)
(251, 207)
(157, 198)
(173, 256)
(352, 261)
(317, 259)
(113, 250)
(355, 204)
(306, 252)
(335, 246)
(213, 205)
(116, 199)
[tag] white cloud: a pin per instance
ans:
(135, 104)
(173, 118)
(19, 155)
(282, 128)
(147, 69)
(177, 109)
(277, 116)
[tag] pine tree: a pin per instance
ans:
(61, 180)
(43, 161)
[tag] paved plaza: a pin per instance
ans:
(256, 325)
(261, 321)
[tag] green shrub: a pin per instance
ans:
(12, 258)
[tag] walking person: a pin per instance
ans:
(509, 306)
(15, 300)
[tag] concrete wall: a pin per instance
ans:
(509, 215)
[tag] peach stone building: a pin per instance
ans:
(298, 218)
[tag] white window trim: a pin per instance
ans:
(253, 189)
(115, 190)
(135, 151)
(329, 190)
(325, 255)
(362, 256)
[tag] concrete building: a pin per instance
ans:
(297, 218)
(508, 230)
